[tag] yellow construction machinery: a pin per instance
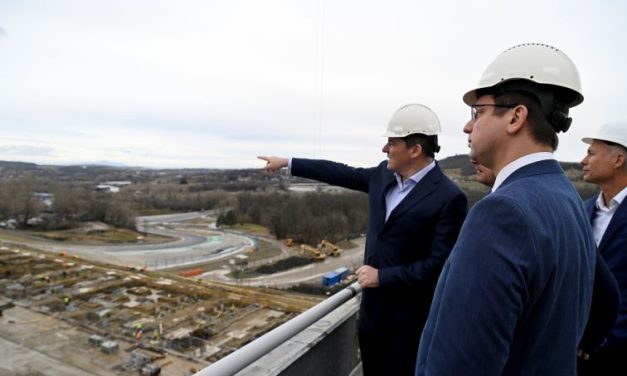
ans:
(315, 253)
(329, 248)
(289, 242)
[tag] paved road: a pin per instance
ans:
(178, 217)
(350, 258)
(186, 248)
(191, 249)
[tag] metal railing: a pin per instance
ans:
(241, 358)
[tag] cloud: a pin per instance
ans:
(26, 150)
(213, 84)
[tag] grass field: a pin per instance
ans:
(108, 236)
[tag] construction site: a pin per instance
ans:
(65, 315)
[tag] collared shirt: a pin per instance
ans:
(604, 214)
(519, 163)
(402, 188)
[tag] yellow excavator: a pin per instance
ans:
(329, 248)
(315, 253)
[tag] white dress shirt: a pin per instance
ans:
(604, 214)
(519, 163)
(402, 188)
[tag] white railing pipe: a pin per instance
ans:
(242, 357)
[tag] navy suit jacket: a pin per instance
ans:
(613, 249)
(514, 295)
(409, 249)
(603, 310)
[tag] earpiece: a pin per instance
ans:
(560, 121)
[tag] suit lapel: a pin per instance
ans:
(619, 221)
(591, 209)
(383, 207)
(424, 187)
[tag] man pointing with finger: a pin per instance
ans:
(415, 213)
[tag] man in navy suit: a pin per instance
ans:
(415, 213)
(605, 295)
(606, 165)
(514, 295)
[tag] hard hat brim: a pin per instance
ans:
(470, 97)
(536, 63)
(396, 135)
(575, 98)
(589, 140)
(413, 118)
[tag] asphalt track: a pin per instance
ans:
(185, 249)
(189, 248)
(351, 258)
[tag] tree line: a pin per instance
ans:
(305, 217)
(70, 206)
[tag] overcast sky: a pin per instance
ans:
(215, 83)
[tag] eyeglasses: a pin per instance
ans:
(473, 108)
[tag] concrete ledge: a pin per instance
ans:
(327, 347)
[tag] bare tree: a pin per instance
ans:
(19, 200)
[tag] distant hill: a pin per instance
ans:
(457, 167)
(104, 164)
(25, 166)
(462, 162)
(190, 185)
(571, 165)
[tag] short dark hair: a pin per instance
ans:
(541, 129)
(429, 144)
(539, 125)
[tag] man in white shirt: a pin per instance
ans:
(606, 165)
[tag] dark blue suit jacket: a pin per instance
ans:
(613, 249)
(603, 310)
(409, 249)
(514, 295)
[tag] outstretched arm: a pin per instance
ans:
(273, 164)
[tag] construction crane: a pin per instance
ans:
(329, 248)
(315, 253)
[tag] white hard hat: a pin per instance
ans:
(413, 118)
(612, 132)
(539, 63)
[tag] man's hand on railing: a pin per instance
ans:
(367, 276)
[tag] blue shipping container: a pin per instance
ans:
(342, 272)
(330, 279)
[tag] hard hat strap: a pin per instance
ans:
(553, 108)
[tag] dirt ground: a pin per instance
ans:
(36, 344)
(102, 234)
